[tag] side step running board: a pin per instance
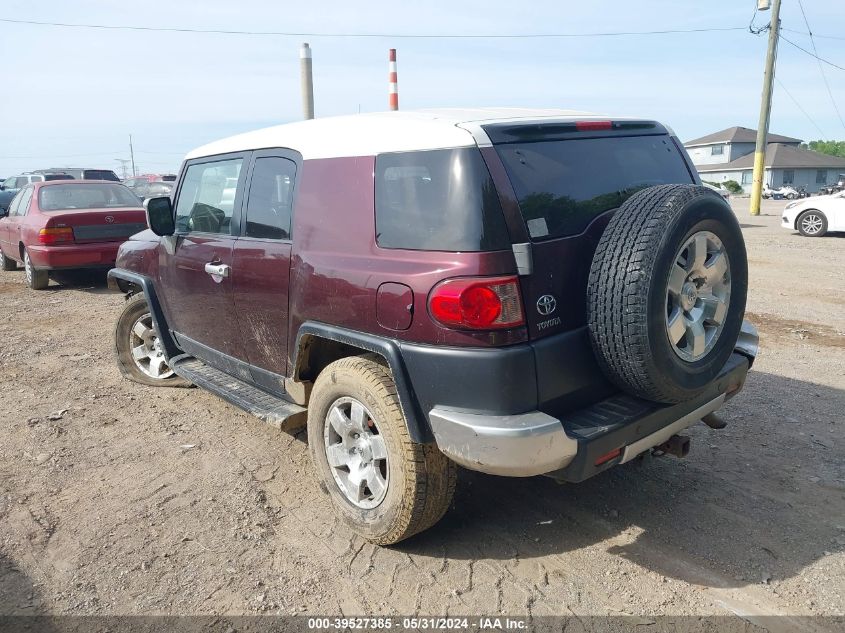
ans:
(273, 410)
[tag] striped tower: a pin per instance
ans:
(393, 90)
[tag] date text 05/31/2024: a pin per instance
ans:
(418, 623)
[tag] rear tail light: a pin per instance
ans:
(487, 303)
(59, 235)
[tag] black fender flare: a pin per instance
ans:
(115, 275)
(418, 427)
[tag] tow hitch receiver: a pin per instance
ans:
(677, 445)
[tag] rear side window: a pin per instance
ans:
(563, 185)
(207, 197)
(51, 177)
(23, 203)
(438, 200)
(270, 199)
(100, 174)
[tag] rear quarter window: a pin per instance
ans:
(563, 185)
(438, 200)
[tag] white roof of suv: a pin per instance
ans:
(371, 134)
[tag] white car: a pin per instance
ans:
(726, 195)
(813, 217)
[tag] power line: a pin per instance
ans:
(756, 30)
(821, 68)
(369, 35)
(105, 153)
(795, 101)
(821, 59)
(827, 37)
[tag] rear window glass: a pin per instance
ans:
(61, 197)
(563, 185)
(438, 200)
(100, 174)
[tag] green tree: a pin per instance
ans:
(832, 148)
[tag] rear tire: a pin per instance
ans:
(35, 279)
(666, 293)
(7, 263)
(413, 484)
(812, 223)
(134, 330)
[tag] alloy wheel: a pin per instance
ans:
(147, 351)
(811, 224)
(356, 453)
(698, 295)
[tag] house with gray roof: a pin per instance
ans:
(729, 155)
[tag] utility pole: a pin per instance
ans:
(132, 156)
(306, 81)
(765, 109)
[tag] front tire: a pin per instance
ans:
(7, 263)
(812, 223)
(137, 347)
(35, 279)
(383, 485)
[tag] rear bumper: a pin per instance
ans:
(95, 255)
(568, 446)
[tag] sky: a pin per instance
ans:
(72, 96)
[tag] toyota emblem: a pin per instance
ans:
(109, 219)
(546, 305)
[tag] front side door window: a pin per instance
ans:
(207, 197)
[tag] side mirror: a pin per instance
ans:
(3, 213)
(160, 216)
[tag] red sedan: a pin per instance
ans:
(67, 224)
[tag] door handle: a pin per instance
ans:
(221, 270)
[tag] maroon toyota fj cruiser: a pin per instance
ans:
(518, 292)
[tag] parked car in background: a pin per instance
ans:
(82, 173)
(67, 224)
(813, 217)
(10, 186)
(134, 180)
(726, 195)
(148, 187)
(361, 276)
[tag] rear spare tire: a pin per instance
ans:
(666, 294)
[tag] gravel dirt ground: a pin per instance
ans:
(121, 499)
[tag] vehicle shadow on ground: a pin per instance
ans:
(90, 281)
(18, 598)
(752, 502)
